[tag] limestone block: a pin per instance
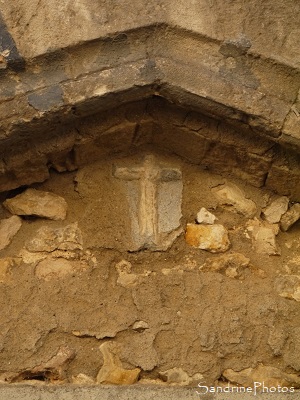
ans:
(290, 217)
(288, 286)
(115, 140)
(264, 241)
(205, 217)
(284, 180)
(276, 209)
(263, 236)
(38, 203)
(213, 238)
(25, 169)
(67, 238)
(182, 141)
(8, 229)
(271, 376)
(232, 198)
(112, 371)
(154, 195)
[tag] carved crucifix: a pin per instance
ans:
(154, 231)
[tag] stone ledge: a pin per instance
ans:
(71, 392)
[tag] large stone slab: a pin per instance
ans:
(154, 194)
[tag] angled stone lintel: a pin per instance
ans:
(200, 84)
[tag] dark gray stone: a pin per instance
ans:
(46, 99)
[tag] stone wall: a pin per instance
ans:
(244, 76)
(135, 117)
(214, 144)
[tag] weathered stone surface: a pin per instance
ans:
(32, 258)
(54, 368)
(276, 340)
(140, 326)
(67, 238)
(263, 237)
(126, 278)
(288, 286)
(82, 379)
(205, 217)
(276, 209)
(268, 375)
(213, 238)
(5, 267)
(290, 217)
(37, 203)
(112, 371)
(154, 196)
(54, 268)
(221, 77)
(8, 229)
(264, 241)
(232, 198)
(46, 99)
(177, 376)
(139, 349)
(284, 179)
(232, 265)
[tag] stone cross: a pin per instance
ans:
(154, 227)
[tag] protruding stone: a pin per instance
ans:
(56, 268)
(205, 217)
(154, 197)
(232, 198)
(53, 370)
(264, 241)
(55, 367)
(264, 237)
(140, 326)
(112, 371)
(213, 238)
(82, 379)
(290, 217)
(126, 278)
(232, 265)
(68, 238)
(269, 376)
(276, 209)
(5, 267)
(177, 376)
(32, 258)
(8, 229)
(288, 286)
(37, 203)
